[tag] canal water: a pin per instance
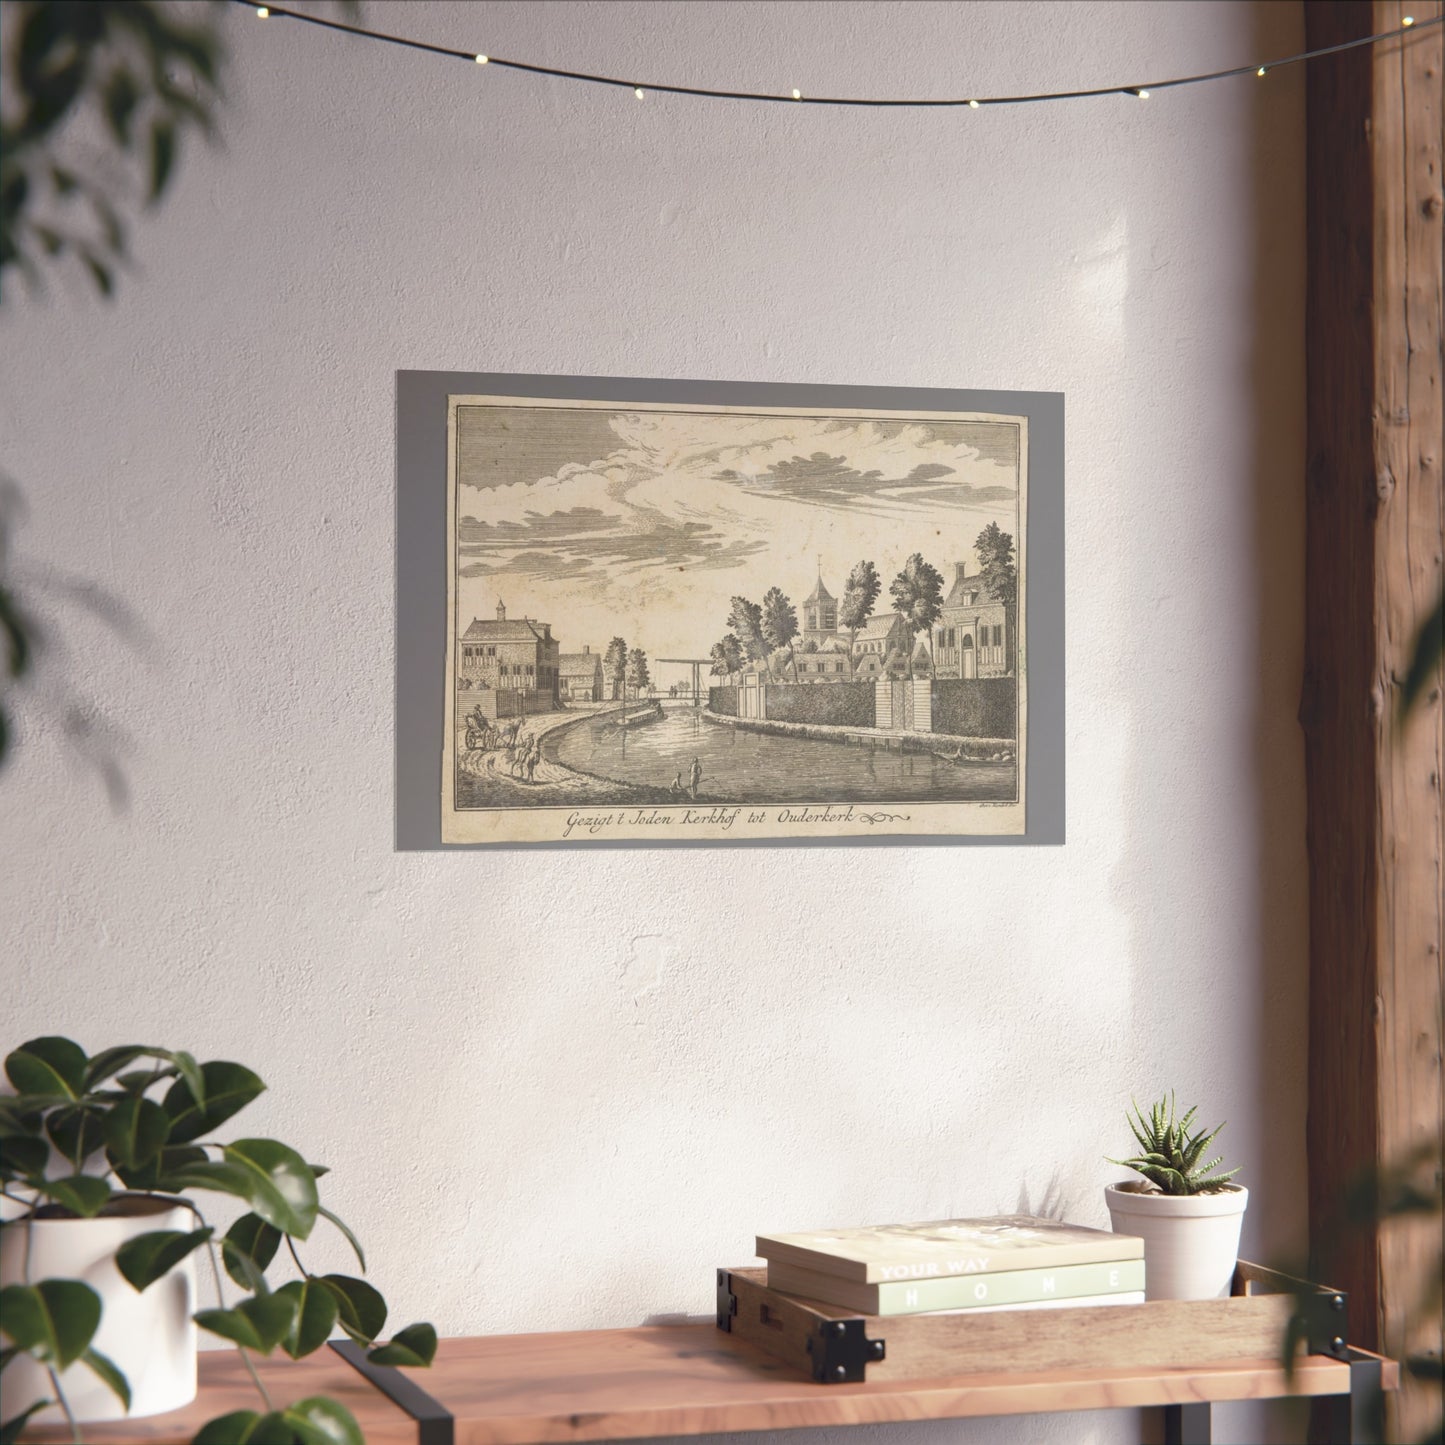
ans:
(742, 766)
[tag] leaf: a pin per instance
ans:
(106, 1368)
(149, 1257)
(21, 1157)
(194, 1075)
(282, 1188)
(11, 1430)
(259, 1323)
(136, 1130)
(111, 1061)
(361, 1309)
(156, 1174)
(316, 1311)
(22, 1116)
(248, 1248)
(49, 1065)
(54, 1320)
(319, 1421)
(232, 1429)
(83, 1194)
(137, 1081)
(415, 1345)
(227, 1089)
(163, 156)
(76, 1131)
(351, 1239)
(245, 1427)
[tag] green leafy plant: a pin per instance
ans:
(1171, 1155)
(82, 1134)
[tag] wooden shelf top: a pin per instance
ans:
(689, 1379)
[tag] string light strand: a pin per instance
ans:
(1409, 26)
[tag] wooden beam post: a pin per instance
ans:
(1374, 545)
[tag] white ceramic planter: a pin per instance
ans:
(150, 1336)
(1191, 1241)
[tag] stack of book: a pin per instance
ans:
(1013, 1261)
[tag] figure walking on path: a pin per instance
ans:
(694, 777)
(676, 782)
(534, 756)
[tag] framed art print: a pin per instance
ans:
(755, 614)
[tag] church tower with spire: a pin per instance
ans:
(820, 615)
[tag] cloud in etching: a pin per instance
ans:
(710, 493)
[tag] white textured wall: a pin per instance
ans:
(556, 1089)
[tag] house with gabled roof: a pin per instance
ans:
(970, 638)
(878, 640)
(826, 661)
(581, 676)
(510, 654)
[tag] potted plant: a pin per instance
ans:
(1187, 1213)
(102, 1230)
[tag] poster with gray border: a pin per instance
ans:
(673, 621)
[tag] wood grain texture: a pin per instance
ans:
(1409, 541)
(690, 1380)
(695, 1379)
(1374, 550)
(1156, 1335)
(225, 1386)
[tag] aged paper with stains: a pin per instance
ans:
(688, 622)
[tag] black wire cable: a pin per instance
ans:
(1141, 90)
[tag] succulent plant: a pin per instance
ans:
(1170, 1154)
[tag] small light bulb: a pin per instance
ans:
(797, 95)
(1408, 21)
(482, 59)
(1260, 72)
(973, 105)
(262, 12)
(638, 92)
(1142, 94)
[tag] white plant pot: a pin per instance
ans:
(150, 1336)
(1191, 1241)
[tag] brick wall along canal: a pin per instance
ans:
(742, 766)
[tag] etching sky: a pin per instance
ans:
(645, 523)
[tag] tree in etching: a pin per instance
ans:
(746, 621)
(860, 595)
(995, 550)
(780, 624)
(614, 664)
(917, 593)
(727, 656)
(639, 679)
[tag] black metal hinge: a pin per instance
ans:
(727, 1301)
(841, 1352)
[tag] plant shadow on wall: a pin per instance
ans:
(91, 1163)
(100, 96)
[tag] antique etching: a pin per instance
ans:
(688, 622)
